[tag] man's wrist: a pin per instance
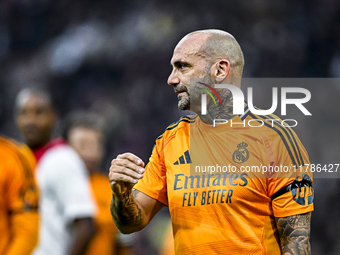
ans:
(123, 196)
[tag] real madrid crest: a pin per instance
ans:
(241, 155)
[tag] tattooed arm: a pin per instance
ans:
(294, 233)
(131, 210)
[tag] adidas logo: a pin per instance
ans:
(183, 161)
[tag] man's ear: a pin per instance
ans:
(220, 70)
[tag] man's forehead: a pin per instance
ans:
(188, 46)
(33, 99)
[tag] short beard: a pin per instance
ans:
(184, 104)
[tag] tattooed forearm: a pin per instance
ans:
(294, 232)
(126, 212)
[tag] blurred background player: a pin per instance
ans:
(66, 206)
(18, 199)
(85, 133)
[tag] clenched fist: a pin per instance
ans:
(125, 171)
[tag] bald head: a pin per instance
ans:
(26, 93)
(213, 44)
(211, 55)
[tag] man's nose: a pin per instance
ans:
(173, 78)
(29, 118)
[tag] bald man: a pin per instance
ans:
(66, 205)
(215, 211)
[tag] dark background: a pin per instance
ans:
(113, 58)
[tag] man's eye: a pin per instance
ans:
(181, 66)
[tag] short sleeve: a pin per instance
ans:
(154, 181)
(289, 183)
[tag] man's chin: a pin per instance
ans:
(34, 142)
(183, 108)
(183, 105)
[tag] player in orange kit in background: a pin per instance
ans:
(18, 199)
(84, 132)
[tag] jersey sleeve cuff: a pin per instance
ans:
(290, 212)
(152, 194)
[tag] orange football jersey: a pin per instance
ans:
(225, 185)
(18, 199)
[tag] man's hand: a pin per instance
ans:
(131, 211)
(125, 171)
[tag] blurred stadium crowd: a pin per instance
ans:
(112, 58)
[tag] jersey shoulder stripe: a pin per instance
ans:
(246, 112)
(184, 119)
(288, 132)
(282, 133)
(291, 137)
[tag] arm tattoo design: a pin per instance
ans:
(126, 211)
(294, 232)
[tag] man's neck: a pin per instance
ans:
(40, 151)
(217, 111)
(38, 146)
